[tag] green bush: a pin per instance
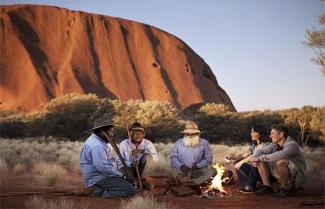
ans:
(214, 109)
(72, 116)
(160, 119)
(20, 124)
(305, 124)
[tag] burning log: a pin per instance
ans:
(215, 188)
(216, 183)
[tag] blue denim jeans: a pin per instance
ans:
(248, 175)
(113, 187)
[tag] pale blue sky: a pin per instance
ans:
(254, 47)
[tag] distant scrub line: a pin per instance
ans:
(72, 116)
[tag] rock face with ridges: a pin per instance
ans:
(48, 52)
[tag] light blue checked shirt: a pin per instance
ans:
(97, 161)
(201, 155)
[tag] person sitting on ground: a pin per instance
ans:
(99, 165)
(284, 160)
(247, 174)
(192, 156)
(137, 151)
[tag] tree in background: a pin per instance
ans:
(304, 117)
(316, 39)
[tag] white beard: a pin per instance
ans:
(191, 141)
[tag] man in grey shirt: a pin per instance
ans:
(284, 160)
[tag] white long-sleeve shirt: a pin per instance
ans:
(126, 147)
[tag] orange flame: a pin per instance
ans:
(217, 181)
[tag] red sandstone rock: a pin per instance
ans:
(47, 52)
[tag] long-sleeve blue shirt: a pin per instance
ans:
(97, 161)
(201, 155)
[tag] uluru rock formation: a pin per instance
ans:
(47, 52)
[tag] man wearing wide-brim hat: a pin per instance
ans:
(192, 156)
(99, 164)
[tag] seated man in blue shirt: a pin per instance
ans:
(99, 164)
(192, 156)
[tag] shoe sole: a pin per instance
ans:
(247, 192)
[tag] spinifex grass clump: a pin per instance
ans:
(42, 203)
(3, 168)
(140, 202)
(49, 174)
(19, 168)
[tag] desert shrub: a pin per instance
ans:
(140, 202)
(214, 109)
(221, 126)
(72, 115)
(22, 124)
(49, 174)
(4, 170)
(29, 152)
(40, 203)
(159, 167)
(6, 113)
(317, 125)
(306, 124)
(160, 119)
(19, 168)
(13, 127)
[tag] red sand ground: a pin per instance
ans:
(236, 200)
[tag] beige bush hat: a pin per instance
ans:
(191, 128)
(102, 122)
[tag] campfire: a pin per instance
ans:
(215, 188)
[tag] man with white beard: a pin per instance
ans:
(192, 156)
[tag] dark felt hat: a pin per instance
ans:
(102, 122)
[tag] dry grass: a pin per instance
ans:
(25, 153)
(140, 202)
(19, 168)
(30, 151)
(42, 203)
(4, 171)
(49, 174)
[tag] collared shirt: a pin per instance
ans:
(126, 147)
(97, 161)
(201, 155)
